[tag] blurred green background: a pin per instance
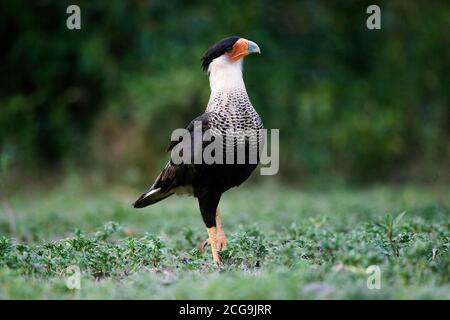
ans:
(85, 117)
(352, 105)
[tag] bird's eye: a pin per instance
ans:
(228, 49)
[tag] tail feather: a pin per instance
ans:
(163, 187)
(151, 197)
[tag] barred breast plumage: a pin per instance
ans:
(233, 116)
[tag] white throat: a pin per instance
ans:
(225, 75)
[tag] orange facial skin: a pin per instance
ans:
(240, 49)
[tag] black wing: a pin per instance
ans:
(174, 175)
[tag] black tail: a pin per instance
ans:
(165, 181)
(151, 197)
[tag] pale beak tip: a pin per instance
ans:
(253, 47)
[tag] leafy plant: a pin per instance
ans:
(390, 225)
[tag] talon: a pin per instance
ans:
(202, 244)
(221, 242)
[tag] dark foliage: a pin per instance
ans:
(348, 101)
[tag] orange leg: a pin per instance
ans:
(212, 233)
(216, 236)
(221, 238)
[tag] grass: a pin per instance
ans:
(284, 243)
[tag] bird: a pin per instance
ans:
(230, 117)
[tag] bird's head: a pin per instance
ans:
(230, 51)
(223, 61)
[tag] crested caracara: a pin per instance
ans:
(229, 118)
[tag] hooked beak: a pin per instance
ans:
(252, 47)
(242, 48)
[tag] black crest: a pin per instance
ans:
(217, 50)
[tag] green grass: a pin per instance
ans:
(283, 243)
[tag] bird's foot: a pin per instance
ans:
(212, 233)
(221, 243)
(202, 244)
